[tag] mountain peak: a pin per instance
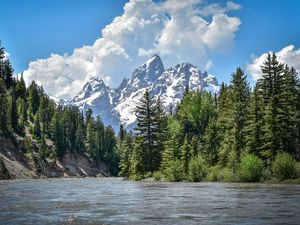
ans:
(96, 80)
(150, 70)
(154, 62)
(94, 85)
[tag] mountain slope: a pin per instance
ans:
(117, 106)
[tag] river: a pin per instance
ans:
(114, 201)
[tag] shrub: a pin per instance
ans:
(136, 177)
(174, 172)
(157, 175)
(250, 168)
(284, 166)
(214, 174)
(217, 173)
(298, 169)
(226, 174)
(197, 169)
(4, 173)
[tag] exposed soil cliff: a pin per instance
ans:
(15, 164)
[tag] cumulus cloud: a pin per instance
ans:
(288, 55)
(216, 8)
(177, 30)
(6, 55)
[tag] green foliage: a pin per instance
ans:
(185, 155)
(195, 111)
(255, 123)
(227, 175)
(150, 134)
(221, 128)
(251, 168)
(55, 130)
(125, 151)
(4, 173)
(172, 144)
(298, 169)
(240, 94)
(211, 143)
(157, 175)
(284, 166)
(197, 169)
(174, 172)
(213, 174)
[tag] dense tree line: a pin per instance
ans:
(242, 133)
(220, 136)
(49, 129)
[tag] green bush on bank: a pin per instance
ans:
(174, 171)
(298, 169)
(284, 166)
(197, 169)
(250, 169)
(221, 174)
(157, 175)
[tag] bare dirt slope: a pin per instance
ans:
(14, 164)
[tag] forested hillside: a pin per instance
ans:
(241, 134)
(45, 130)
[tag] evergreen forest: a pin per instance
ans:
(243, 133)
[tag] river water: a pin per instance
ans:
(114, 201)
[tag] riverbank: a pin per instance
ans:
(14, 164)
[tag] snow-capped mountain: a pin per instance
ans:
(117, 106)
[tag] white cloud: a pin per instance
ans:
(288, 55)
(216, 8)
(208, 65)
(176, 30)
(6, 55)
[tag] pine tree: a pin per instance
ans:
(122, 132)
(171, 145)
(7, 73)
(225, 124)
(91, 146)
(43, 146)
(185, 155)
(33, 99)
(254, 124)
(271, 88)
(240, 94)
(21, 88)
(138, 167)
(14, 112)
(79, 141)
(22, 113)
(194, 146)
(3, 107)
(145, 140)
(126, 155)
(211, 142)
(57, 134)
(159, 129)
(290, 102)
(37, 126)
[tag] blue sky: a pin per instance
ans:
(33, 29)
